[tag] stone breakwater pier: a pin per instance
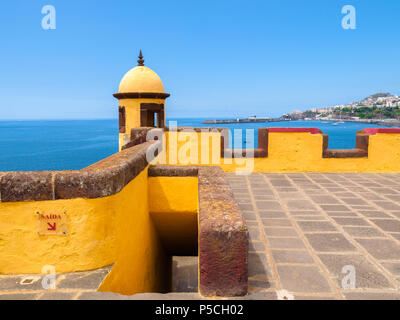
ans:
(177, 214)
(244, 120)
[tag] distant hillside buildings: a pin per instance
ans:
(377, 106)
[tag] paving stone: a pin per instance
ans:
(329, 242)
(252, 223)
(243, 201)
(246, 207)
(324, 199)
(313, 192)
(302, 297)
(94, 295)
(281, 232)
(260, 285)
(262, 296)
(313, 226)
(13, 283)
(350, 221)
(364, 232)
(385, 191)
(262, 192)
(395, 235)
(254, 233)
(277, 222)
(341, 214)
(387, 205)
(272, 214)
(297, 278)
(345, 195)
(356, 208)
(392, 267)
(371, 196)
(83, 280)
(389, 225)
(367, 276)
(371, 295)
(381, 249)
(394, 213)
(259, 268)
(291, 195)
(354, 201)
(240, 191)
(395, 198)
(242, 196)
(372, 184)
(309, 218)
(263, 197)
(237, 185)
(359, 190)
(373, 214)
(334, 207)
(305, 213)
(300, 205)
(280, 183)
(286, 243)
(311, 188)
(256, 246)
(249, 216)
(335, 189)
(292, 191)
(19, 296)
(58, 295)
(292, 256)
(268, 205)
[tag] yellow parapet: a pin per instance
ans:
(377, 150)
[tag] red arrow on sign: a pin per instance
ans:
(52, 227)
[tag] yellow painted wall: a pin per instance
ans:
(187, 148)
(174, 206)
(288, 152)
(115, 229)
(136, 230)
(90, 241)
(142, 264)
(132, 109)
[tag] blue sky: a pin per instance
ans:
(216, 58)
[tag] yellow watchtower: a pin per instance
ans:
(141, 98)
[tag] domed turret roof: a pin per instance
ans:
(141, 79)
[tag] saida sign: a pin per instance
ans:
(52, 223)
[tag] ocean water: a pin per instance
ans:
(75, 144)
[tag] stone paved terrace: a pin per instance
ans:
(304, 228)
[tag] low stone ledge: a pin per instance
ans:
(345, 153)
(223, 238)
(104, 178)
(138, 136)
(172, 171)
(26, 186)
(260, 152)
(361, 150)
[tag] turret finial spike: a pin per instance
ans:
(140, 61)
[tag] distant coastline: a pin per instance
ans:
(382, 122)
(380, 109)
(245, 120)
